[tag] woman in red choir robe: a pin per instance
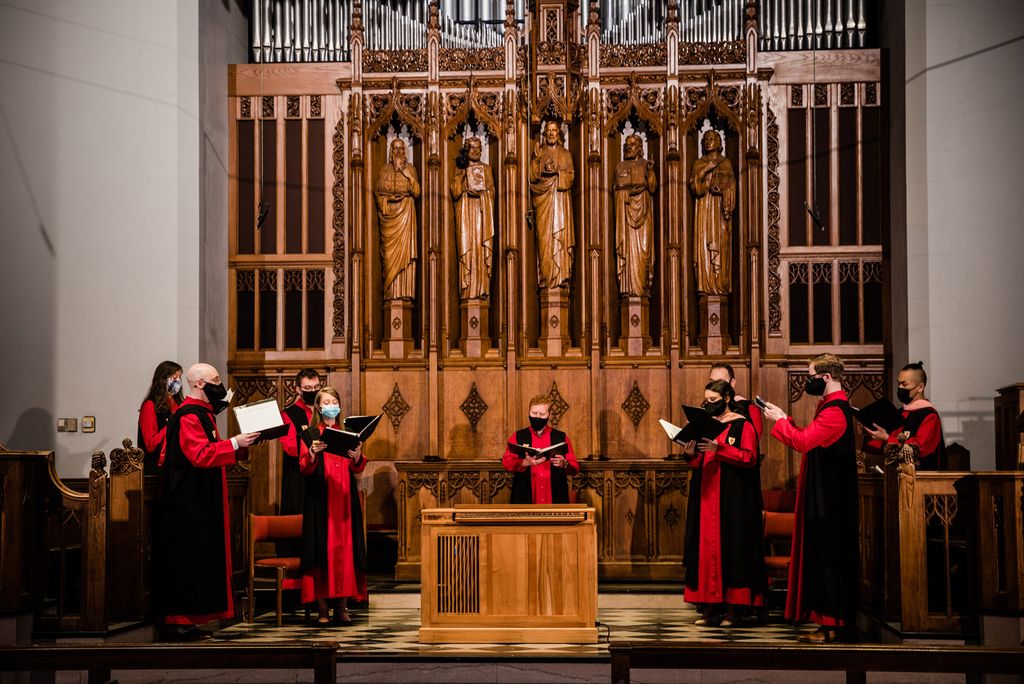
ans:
(162, 400)
(333, 548)
(724, 548)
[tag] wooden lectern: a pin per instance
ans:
(509, 574)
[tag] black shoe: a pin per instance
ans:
(184, 633)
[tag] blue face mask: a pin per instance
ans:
(173, 386)
(330, 411)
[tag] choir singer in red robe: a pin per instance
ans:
(333, 548)
(724, 547)
(196, 548)
(538, 479)
(920, 419)
(823, 572)
(161, 402)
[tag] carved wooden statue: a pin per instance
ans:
(396, 191)
(635, 184)
(473, 191)
(714, 185)
(551, 177)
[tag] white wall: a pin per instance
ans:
(965, 208)
(101, 240)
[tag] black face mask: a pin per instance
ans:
(815, 387)
(538, 424)
(714, 408)
(215, 395)
(309, 397)
(903, 395)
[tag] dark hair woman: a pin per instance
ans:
(164, 395)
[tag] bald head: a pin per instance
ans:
(201, 373)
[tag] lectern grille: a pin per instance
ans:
(458, 574)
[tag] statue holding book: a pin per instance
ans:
(472, 189)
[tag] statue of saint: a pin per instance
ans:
(551, 177)
(714, 185)
(396, 192)
(473, 191)
(635, 184)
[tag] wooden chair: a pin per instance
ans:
(778, 537)
(288, 574)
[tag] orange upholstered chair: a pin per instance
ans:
(287, 573)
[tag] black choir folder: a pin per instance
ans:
(699, 426)
(881, 413)
(263, 417)
(523, 450)
(356, 429)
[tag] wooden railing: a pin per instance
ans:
(99, 661)
(938, 549)
(855, 660)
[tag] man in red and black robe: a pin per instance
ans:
(920, 419)
(195, 548)
(297, 417)
(823, 574)
(538, 479)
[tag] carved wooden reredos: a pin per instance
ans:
(310, 140)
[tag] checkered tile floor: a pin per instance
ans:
(389, 628)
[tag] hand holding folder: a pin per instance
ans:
(881, 413)
(263, 417)
(357, 430)
(699, 426)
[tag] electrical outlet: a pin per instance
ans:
(67, 425)
(88, 423)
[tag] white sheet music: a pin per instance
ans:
(259, 415)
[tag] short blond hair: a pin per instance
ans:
(828, 363)
(540, 400)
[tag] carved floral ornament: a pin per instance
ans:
(126, 459)
(395, 61)
(338, 224)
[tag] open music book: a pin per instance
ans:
(340, 442)
(262, 416)
(523, 450)
(699, 426)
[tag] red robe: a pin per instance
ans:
(711, 584)
(340, 577)
(289, 441)
(827, 427)
(927, 436)
(540, 475)
(202, 453)
(149, 427)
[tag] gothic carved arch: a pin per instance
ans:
(408, 108)
(486, 105)
(726, 101)
(647, 103)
